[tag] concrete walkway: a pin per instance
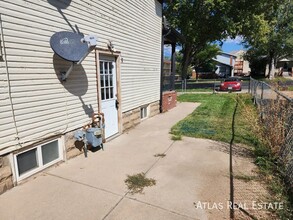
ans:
(193, 170)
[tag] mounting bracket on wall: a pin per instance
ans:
(111, 46)
(72, 47)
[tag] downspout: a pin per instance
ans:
(8, 83)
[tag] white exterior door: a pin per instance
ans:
(108, 93)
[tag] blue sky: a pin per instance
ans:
(232, 45)
(228, 46)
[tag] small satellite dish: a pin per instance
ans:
(60, 4)
(69, 45)
(73, 47)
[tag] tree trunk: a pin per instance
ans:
(272, 69)
(272, 66)
(186, 60)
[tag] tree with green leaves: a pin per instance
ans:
(200, 22)
(204, 59)
(272, 38)
(205, 21)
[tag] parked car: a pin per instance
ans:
(231, 84)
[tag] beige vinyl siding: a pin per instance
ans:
(43, 106)
(7, 129)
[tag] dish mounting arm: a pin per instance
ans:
(91, 41)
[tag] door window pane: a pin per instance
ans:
(107, 80)
(27, 161)
(102, 80)
(111, 80)
(101, 67)
(110, 68)
(50, 152)
(111, 93)
(106, 65)
(103, 93)
(107, 93)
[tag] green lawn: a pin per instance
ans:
(290, 88)
(213, 118)
(275, 80)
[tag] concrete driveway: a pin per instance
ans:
(193, 171)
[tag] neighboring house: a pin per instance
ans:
(241, 67)
(225, 64)
(284, 67)
(38, 112)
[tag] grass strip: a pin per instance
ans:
(212, 119)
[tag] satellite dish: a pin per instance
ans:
(60, 4)
(68, 45)
(72, 47)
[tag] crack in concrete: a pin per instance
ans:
(165, 152)
(164, 209)
(84, 184)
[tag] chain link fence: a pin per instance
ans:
(276, 115)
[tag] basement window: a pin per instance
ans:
(143, 112)
(34, 160)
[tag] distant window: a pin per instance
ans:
(37, 159)
(222, 69)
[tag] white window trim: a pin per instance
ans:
(147, 112)
(39, 160)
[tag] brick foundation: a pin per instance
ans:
(6, 181)
(169, 100)
(154, 108)
(72, 146)
(130, 119)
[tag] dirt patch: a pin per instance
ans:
(250, 192)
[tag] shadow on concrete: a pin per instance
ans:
(233, 205)
(238, 150)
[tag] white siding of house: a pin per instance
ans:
(42, 105)
(225, 59)
(7, 129)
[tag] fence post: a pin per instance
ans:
(249, 84)
(214, 91)
(262, 88)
